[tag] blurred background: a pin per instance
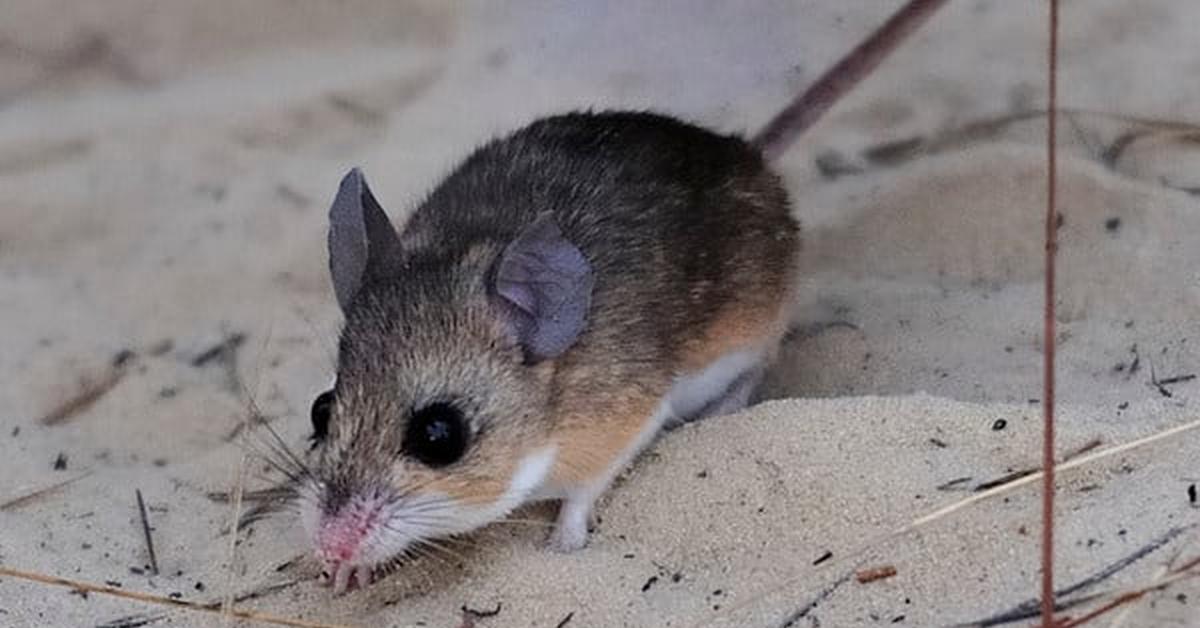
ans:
(165, 168)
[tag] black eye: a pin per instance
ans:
(436, 435)
(322, 407)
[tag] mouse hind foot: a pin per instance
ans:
(737, 397)
(735, 376)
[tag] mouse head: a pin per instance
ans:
(436, 423)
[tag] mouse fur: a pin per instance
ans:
(569, 288)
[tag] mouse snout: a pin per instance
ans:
(341, 532)
(343, 541)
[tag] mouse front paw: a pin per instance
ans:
(571, 530)
(567, 539)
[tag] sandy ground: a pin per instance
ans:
(164, 173)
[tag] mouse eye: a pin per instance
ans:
(436, 435)
(322, 408)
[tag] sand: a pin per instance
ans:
(165, 169)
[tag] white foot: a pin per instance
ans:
(571, 530)
(740, 392)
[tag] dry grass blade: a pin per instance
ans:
(146, 532)
(275, 452)
(1128, 596)
(950, 509)
(1077, 594)
(1163, 571)
(1037, 476)
(90, 391)
(79, 585)
(238, 489)
(23, 500)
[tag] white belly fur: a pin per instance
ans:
(693, 391)
(690, 393)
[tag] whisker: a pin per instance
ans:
(282, 447)
(535, 523)
(425, 553)
(276, 456)
(435, 545)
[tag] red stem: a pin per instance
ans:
(1049, 337)
(787, 125)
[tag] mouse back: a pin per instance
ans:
(675, 221)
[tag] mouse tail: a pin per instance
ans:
(781, 132)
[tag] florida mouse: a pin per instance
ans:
(557, 299)
(563, 294)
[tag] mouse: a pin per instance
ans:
(567, 292)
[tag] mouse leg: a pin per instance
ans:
(579, 499)
(578, 502)
(575, 513)
(574, 518)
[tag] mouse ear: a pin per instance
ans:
(546, 282)
(359, 235)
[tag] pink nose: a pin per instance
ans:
(336, 544)
(341, 535)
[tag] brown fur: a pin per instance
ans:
(692, 250)
(591, 435)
